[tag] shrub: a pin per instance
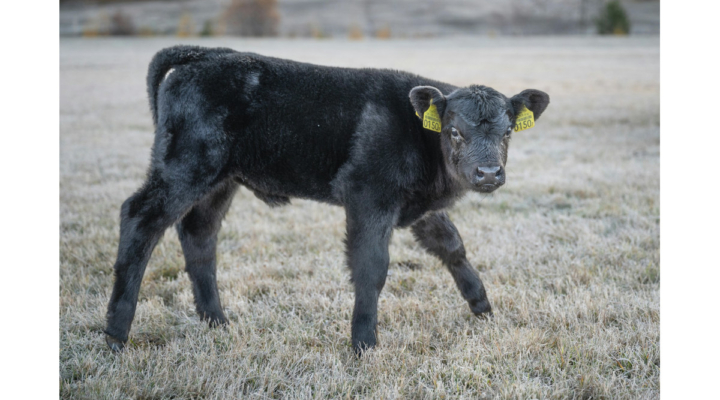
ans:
(383, 33)
(613, 19)
(316, 32)
(355, 33)
(207, 29)
(145, 31)
(121, 24)
(100, 25)
(252, 18)
(186, 26)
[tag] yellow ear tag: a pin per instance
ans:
(525, 120)
(431, 119)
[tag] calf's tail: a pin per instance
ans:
(171, 57)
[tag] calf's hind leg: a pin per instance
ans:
(144, 218)
(439, 236)
(198, 236)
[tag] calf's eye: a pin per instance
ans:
(509, 130)
(455, 134)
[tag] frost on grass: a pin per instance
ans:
(567, 249)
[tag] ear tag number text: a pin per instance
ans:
(525, 120)
(431, 119)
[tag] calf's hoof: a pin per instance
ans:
(115, 345)
(364, 341)
(361, 347)
(215, 321)
(481, 308)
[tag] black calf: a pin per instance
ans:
(393, 148)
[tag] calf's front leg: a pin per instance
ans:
(439, 236)
(368, 237)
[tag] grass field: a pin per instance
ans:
(568, 249)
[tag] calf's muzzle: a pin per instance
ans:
(488, 179)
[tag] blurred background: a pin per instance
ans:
(357, 19)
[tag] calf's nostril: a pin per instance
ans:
(490, 176)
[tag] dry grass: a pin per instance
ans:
(568, 249)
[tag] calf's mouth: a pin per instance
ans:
(487, 187)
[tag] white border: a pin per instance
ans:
(689, 199)
(29, 163)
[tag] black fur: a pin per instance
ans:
(284, 129)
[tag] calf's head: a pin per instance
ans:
(477, 123)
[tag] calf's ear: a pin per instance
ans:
(421, 96)
(535, 100)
